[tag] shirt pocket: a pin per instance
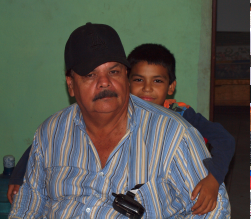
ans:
(68, 182)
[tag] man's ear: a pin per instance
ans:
(171, 88)
(69, 82)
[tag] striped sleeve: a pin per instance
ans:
(186, 171)
(31, 199)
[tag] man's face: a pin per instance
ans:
(104, 90)
(149, 82)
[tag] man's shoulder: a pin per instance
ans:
(67, 113)
(159, 111)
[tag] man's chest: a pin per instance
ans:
(82, 167)
(91, 187)
(105, 147)
(73, 172)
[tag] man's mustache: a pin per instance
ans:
(105, 93)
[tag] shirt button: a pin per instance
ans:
(97, 195)
(88, 210)
(101, 174)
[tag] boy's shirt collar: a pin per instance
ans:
(169, 102)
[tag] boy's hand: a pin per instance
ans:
(12, 190)
(208, 189)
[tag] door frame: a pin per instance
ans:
(213, 60)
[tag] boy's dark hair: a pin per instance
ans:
(154, 54)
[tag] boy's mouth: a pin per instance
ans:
(147, 98)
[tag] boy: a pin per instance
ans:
(151, 61)
(152, 77)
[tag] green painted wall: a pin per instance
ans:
(33, 35)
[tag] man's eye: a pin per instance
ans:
(89, 75)
(114, 72)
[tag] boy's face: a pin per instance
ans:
(150, 82)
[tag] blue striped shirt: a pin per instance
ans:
(161, 150)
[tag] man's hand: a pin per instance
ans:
(12, 190)
(208, 189)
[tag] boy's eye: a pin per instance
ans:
(138, 80)
(158, 81)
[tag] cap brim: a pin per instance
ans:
(85, 68)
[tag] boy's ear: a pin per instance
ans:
(69, 82)
(171, 88)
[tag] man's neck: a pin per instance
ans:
(105, 131)
(102, 124)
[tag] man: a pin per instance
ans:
(109, 142)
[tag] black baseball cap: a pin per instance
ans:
(92, 45)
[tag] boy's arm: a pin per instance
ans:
(17, 175)
(222, 141)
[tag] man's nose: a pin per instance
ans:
(103, 81)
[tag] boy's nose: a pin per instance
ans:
(147, 87)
